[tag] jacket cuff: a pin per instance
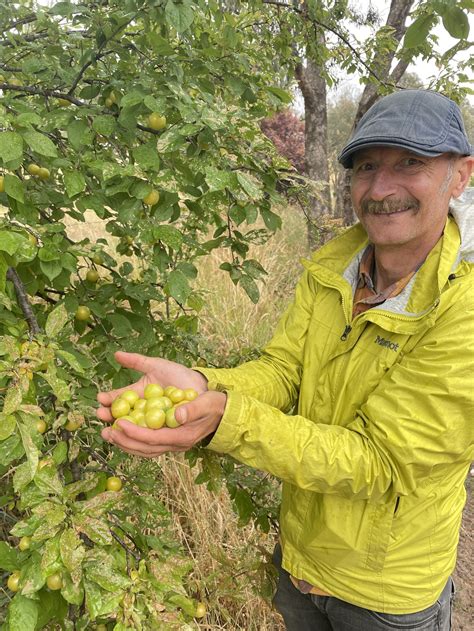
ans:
(227, 435)
(211, 374)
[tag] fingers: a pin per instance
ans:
(135, 361)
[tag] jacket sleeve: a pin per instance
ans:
(275, 377)
(416, 421)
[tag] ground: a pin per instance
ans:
(463, 619)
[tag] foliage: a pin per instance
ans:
(79, 85)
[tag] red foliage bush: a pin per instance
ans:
(286, 131)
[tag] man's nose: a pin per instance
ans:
(382, 184)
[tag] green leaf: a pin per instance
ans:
(417, 32)
(22, 614)
(178, 286)
(74, 182)
(14, 187)
(28, 445)
(59, 387)
(8, 557)
(169, 235)
(218, 180)
(100, 602)
(179, 16)
(159, 44)
(11, 146)
(22, 476)
(455, 21)
(79, 134)
(250, 184)
(7, 425)
(13, 399)
(10, 241)
(51, 269)
(147, 157)
(104, 125)
(271, 219)
(96, 529)
(283, 95)
(71, 360)
(40, 143)
(72, 553)
(57, 318)
(250, 287)
(121, 326)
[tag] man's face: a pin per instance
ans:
(403, 198)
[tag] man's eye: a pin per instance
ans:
(365, 166)
(411, 162)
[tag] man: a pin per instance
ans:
(372, 360)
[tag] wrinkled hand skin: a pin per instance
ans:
(197, 419)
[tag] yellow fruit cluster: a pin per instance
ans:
(157, 407)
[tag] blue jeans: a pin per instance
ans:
(308, 612)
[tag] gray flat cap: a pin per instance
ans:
(421, 121)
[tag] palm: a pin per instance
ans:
(155, 370)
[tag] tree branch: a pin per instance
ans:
(41, 92)
(23, 301)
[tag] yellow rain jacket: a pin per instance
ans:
(368, 423)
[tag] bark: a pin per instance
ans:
(399, 10)
(313, 87)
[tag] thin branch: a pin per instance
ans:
(134, 554)
(22, 298)
(41, 92)
(31, 17)
(97, 55)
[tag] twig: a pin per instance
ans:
(23, 301)
(49, 93)
(134, 554)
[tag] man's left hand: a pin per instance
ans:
(197, 419)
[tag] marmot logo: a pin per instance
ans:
(381, 341)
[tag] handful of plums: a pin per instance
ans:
(155, 410)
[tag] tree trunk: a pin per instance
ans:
(313, 88)
(399, 10)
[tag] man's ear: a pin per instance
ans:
(462, 175)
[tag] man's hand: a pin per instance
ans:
(155, 370)
(198, 419)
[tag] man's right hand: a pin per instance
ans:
(155, 370)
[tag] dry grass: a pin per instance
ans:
(229, 321)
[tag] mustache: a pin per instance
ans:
(386, 206)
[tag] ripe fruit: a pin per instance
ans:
(83, 313)
(120, 408)
(152, 198)
(176, 395)
(41, 426)
(72, 425)
(55, 581)
(24, 543)
(109, 102)
(156, 403)
(97, 259)
(33, 169)
(152, 390)
(101, 627)
(156, 121)
(92, 276)
(130, 396)
(200, 610)
(155, 418)
(43, 173)
(190, 394)
(64, 103)
(171, 421)
(113, 484)
(32, 239)
(13, 581)
(140, 405)
(2, 184)
(137, 417)
(15, 81)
